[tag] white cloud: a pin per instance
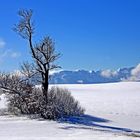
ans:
(2, 43)
(15, 54)
(135, 74)
(136, 70)
(54, 71)
(108, 73)
(5, 54)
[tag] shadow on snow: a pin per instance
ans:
(92, 122)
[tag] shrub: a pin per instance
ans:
(60, 103)
(26, 103)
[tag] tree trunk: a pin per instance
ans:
(45, 86)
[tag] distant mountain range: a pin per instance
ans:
(102, 76)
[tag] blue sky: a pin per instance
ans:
(90, 34)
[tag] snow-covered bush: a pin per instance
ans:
(26, 102)
(60, 103)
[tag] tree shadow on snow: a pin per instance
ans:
(92, 122)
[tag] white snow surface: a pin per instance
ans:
(112, 113)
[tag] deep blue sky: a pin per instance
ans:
(90, 34)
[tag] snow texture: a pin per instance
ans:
(112, 113)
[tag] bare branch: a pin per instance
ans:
(28, 70)
(25, 27)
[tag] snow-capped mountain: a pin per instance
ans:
(88, 77)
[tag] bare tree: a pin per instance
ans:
(43, 53)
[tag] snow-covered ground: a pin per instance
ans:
(112, 113)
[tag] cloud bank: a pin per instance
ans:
(135, 74)
(108, 73)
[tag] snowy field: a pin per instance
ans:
(112, 113)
